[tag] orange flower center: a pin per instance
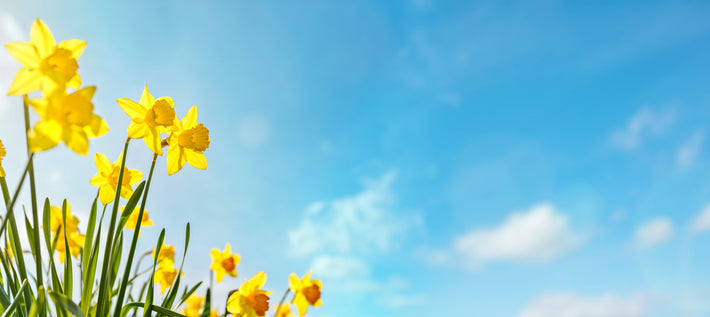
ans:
(258, 302)
(60, 62)
(77, 110)
(160, 114)
(228, 264)
(312, 293)
(113, 177)
(197, 138)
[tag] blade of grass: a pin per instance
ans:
(147, 308)
(15, 302)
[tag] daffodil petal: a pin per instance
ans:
(76, 140)
(25, 53)
(106, 194)
(41, 37)
(196, 159)
(136, 177)
(147, 99)
(190, 119)
(26, 81)
(75, 46)
(175, 160)
(96, 128)
(97, 180)
(131, 108)
(137, 130)
(152, 140)
(102, 163)
(74, 82)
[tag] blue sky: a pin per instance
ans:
(470, 158)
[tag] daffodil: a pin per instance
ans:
(107, 178)
(149, 118)
(166, 257)
(132, 220)
(188, 141)
(46, 65)
(224, 262)
(67, 118)
(284, 311)
(165, 275)
(2, 156)
(306, 292)
(193, 305)
(56, 225)
(213, 313)
(250, 300)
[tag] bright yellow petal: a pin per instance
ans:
(76, 140)
(175, 160)
(152, 140)
(97, 180)
(41, 37)
(74, 82)
(259, 279)
(136, 177)
(190, 119)
(147, 99)
(2, 172)
(103, 165)
(38, 104)
(227, 249)
(137, 130)
(75, 46)
(26, 81)
(25, 53)
(294, 282)
(96, 128)
(106, 194)
(301, 303)
(219, 275)
(86, 92)
(132, 109)
(45, 135)
(196, 159)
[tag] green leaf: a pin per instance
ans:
(66, 303)
(147, 307)
(15, 302)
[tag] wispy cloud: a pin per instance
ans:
(538, 234)
(645, 122)
(574, 305)
(653, 233)
(689, 151)
(701, 223)
(254, 130)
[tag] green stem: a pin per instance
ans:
(105, 290)
(33, 194)
(132, 250)
(281, 302)
(14, 196)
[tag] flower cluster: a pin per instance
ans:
(66, 115)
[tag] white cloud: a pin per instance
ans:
(688, 152)
(362, 223)
(573, 305)
(640, 125)
(653, 232)
(538, 234)
(701, 223)
(254, 130)
(338, 267)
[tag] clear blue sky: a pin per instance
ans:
(487, 158)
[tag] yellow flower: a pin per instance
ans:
(2, 156)
(224, 262)
(306, 292)
(107, 178)
(188, 141)
(165, 275)
(133, 219)
(149, 118)
(67, 118)
(46, 65)
(213, 313)
(250, 300)
(193, 305)
(166, 257)
(284, 311)
(75, 239)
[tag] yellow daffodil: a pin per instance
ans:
(284, 311)
(193, 305)
(165, 275)
(306, 292)
(75, 239)
(133, 219)
(188, 141)
(149, 118)
(166, 257)
(2, 156)
(107, 178)
(224, 262)
(46, 65)
(250, 300)
(67, 118)
(213, 313)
